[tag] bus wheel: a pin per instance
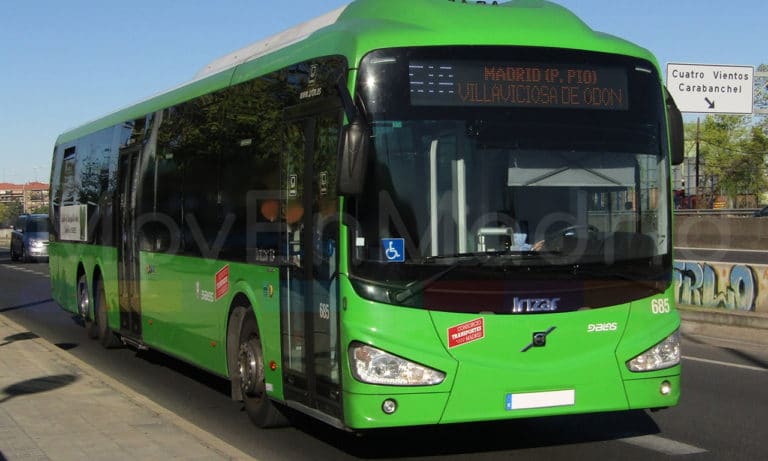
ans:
(106, 336)
(84, 306)
(250, 375)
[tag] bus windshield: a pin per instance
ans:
(490, 165)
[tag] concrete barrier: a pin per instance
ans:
(703, 231)
(727, 286)
(740, 290)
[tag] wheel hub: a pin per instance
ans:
(250, 367)
(84, 304)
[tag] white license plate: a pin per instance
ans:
(541, 399)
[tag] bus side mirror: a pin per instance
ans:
(355, 146)
(353, 158)
(676, 130)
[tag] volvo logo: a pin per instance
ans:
(539, 339)
(521, 305)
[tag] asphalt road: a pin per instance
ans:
(723, 412)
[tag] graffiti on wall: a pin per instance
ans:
(720, 285)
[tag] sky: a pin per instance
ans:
(64, 63)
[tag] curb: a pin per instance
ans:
(205, 438)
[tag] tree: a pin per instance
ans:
(757, 149)
(41, 210)
(734, 153)
(761, 98)
(9, 211)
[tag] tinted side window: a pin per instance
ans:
(168, 174)
(188, 151)
(84, 177)
(135, 139)
(251, 167)
(261, 181)
(55, 196)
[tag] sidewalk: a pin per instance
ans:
(54, 406)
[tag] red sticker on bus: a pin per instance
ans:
(466, 332)
(222, 282)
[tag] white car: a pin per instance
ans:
(29, 239)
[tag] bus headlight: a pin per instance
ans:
(374, 366)
(666, 354)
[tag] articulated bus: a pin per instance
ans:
(433, 212)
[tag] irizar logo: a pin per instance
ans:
(521, 305)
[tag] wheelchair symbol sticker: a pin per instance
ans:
(394, 250)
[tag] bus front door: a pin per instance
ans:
(127, 246)
(310, 338)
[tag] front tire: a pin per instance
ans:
(249, 375)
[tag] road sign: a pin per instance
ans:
(711, 89)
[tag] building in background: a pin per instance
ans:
(33, 196)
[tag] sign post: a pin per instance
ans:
(711, 89)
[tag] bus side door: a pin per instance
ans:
(310, 314)
(127, 247)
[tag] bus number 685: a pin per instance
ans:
(660, 306)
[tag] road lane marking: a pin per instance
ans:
(662, 445)
(726, 364)
(26, 270)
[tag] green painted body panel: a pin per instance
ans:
(174, 319)
(591, 361)
(179, 311)
(66, 258)
(182, 314)
(644, 392)
(363, 411)
(440, 22)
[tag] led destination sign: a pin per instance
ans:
(506, 84)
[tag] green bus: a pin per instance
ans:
(429, 213)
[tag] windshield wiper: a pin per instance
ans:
(418, 286)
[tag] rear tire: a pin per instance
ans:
(108, 338)
(248, 373)
(84, 306)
